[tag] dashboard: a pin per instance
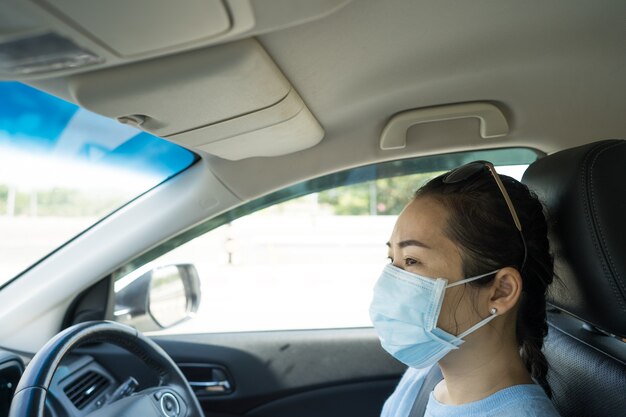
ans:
(81, 384)
(94, 375)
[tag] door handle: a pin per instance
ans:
(211, 386)
(207, 380)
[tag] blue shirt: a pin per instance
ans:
(527, 400)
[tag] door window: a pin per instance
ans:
(306, 257)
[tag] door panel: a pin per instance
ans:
(293, 373)
(326, 373)
(360, 399)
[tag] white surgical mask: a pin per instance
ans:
(405, 309)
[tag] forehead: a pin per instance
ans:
(424, 219)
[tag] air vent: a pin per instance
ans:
(86, 388)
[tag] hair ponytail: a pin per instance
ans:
(532, 328)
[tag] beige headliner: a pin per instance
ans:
(556, 69)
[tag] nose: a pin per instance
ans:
(397, 264)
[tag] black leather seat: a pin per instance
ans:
(584, 190)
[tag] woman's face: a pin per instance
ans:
(419, 245)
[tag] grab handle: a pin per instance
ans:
(492, 121)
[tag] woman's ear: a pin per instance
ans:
(506, 290)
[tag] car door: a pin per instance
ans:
(283, 327)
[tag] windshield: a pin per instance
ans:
(63, 168)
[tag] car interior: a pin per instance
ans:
(278, 99)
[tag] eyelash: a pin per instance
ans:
(406, 260)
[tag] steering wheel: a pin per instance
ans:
(173, 397)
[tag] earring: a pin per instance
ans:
(493, 310)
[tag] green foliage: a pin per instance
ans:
(349, 200)
(64, 202)
(4, 194)
(59, 202)
(387, 195)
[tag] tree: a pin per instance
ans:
(391, 195)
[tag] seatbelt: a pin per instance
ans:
(433, 377)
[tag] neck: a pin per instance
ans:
(471, 375)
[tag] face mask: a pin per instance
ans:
(405, 310)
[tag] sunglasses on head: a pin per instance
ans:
(471, 170)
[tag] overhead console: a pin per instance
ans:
(42, 38)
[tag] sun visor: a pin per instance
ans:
(229, 100)
(283, 128)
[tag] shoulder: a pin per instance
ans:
(522, 401)
(517, 401)
(526, 401)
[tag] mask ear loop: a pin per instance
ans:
(494, 314)
(493, 311)
(466, 280)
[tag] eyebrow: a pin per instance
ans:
(411, 242)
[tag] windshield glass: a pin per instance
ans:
(63, 168)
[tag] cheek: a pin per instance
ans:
(459, 310)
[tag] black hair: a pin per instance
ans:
(481, 224)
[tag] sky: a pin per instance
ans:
(47, 142)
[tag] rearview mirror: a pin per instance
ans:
(157, 298)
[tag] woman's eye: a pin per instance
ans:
(411, 261)
(390, 259)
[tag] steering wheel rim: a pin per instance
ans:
(30, 394)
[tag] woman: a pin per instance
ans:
(465, 288)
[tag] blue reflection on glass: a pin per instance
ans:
(36, 122)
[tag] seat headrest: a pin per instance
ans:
(584, 191)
